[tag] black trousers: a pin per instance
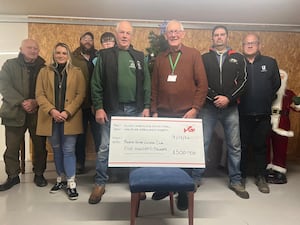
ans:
(254, 131)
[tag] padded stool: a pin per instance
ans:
(160, 179)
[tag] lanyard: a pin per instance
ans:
(173, 66)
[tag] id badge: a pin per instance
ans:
(172, 78)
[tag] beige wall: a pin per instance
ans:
(284, 46)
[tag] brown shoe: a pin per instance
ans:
(96, 194)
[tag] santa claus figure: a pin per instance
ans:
(278, 140)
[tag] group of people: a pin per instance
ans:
(88, 87)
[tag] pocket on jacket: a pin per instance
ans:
(8, 111)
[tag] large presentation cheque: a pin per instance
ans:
(156, 142)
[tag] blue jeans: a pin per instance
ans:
(64, 151)
(102, 154)
(229, 118)
(87, 118)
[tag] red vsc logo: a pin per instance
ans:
(189, 129)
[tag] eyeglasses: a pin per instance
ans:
(251, 43)
(176, 32)
(107, 39)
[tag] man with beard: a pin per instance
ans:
(277, 142)
(83, 57)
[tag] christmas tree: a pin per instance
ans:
(158, 44)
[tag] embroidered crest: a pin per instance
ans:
(263, 69)
(233, 60)
(138, 63)
(131, 64)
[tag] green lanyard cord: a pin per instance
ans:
(173, 66)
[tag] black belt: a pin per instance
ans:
(281, 112)
(276, 111)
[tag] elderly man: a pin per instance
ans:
(120, 87)
(19, 112)
(179, 85)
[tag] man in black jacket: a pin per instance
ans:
(255, 107)
(226, 75)
(120, 86)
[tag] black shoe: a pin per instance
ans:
(159, 195)
(58, 186)
(182, 201)
(9, 183)
(40, 181)
(72, 193)
(276, 178)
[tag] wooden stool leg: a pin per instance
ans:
(134, 207)
(191, 208)
(171, 194)
(22, 151)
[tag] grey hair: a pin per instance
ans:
(118, 25)
(175, 21)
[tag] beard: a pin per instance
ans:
(87, 49)
(281, 90)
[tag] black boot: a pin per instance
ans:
(10, 182)
(270, 175)
(279, 178)
(40, 180)
(182, 201)
(159, 195)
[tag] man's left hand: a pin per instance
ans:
(30, 105)
(221, 101)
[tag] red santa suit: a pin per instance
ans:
(278, 140)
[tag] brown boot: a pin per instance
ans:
(96, 194)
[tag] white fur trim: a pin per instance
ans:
(269, 166)
(285, 133)
(279, 169)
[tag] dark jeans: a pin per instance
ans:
(87, 118)
(254, 132)
(13, 138)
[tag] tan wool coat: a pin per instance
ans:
(45, 96)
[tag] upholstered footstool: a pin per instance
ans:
(160, 179)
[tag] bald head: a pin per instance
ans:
(30, 50)
(251, 46)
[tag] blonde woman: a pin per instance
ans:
(60, 91)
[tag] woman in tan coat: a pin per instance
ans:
(60, 91)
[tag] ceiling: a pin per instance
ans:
(266, 12)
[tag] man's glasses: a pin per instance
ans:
(253, 43)
(108, 39)
(176, 32)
